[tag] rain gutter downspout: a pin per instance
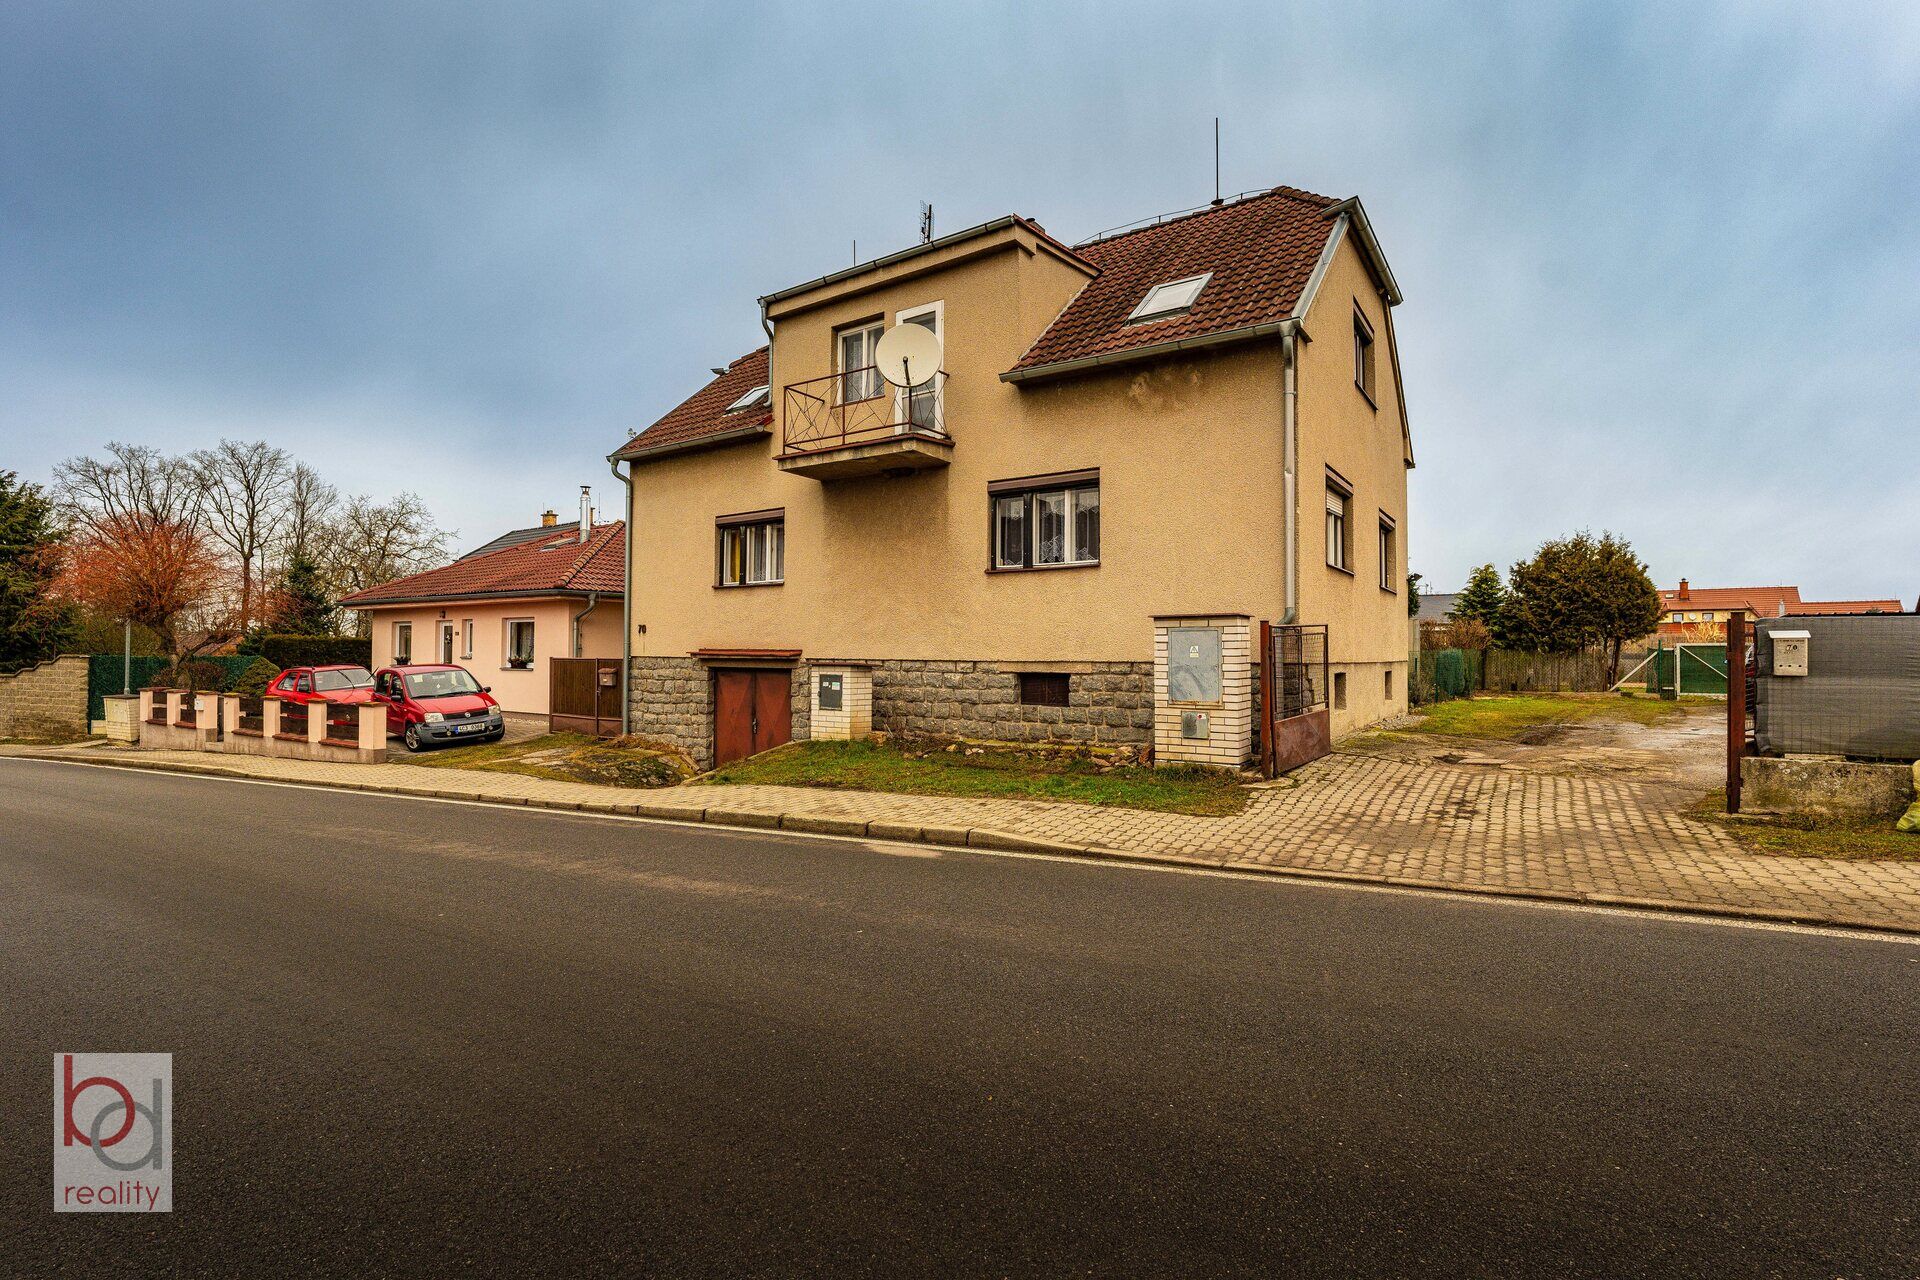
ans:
(593, 602)
(626, 606)
(1289, 471)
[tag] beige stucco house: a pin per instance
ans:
(506, 610)
(1199, 418)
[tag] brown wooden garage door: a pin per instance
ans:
(751, 712)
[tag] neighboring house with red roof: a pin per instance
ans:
(1198, 417)
(1690, 612)
(507, 609)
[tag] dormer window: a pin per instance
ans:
(1171, 298)
(754, 399)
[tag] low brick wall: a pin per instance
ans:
(47, 701)
(1825, 788)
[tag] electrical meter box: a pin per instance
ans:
(842, 701)
(1790, 652)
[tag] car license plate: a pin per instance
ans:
(470, 728)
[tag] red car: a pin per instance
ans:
(340, 684)
(429, 704)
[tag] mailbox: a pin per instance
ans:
(609, 677)
(1790, 652)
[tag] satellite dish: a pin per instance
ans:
(908, 355)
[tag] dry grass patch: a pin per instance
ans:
(1802, 837)
(991, 770)
(1510, 716)
(569, 757)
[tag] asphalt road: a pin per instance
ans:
(414, 1037)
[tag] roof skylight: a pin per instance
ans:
(1171, 297)
(753, 398)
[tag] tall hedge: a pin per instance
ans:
(314, 651)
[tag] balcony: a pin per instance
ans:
(854, 424)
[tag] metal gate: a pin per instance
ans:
(583, 695)
(1294, 725)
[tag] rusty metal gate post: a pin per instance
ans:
(1736, 702)
(1269, 675)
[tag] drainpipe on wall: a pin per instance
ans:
(1290, 483)
(593, 602)
(626, 605)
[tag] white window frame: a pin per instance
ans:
(913, 315)
(869, 383)
(1365, 358)
(1177, 297)
(402, 657)
(763, 553)
(759, 395)
(1339, 525)
(506, 644)
(1071, 499)
(466, 639)
(1389, 544)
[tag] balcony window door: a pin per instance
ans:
(919, 408)
(859, 380)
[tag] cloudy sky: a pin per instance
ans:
(1660, 261)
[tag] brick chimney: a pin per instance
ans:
(1684, 593)
(549, 518)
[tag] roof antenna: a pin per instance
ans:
(856, 253)
(1217, 202)
(926, 223)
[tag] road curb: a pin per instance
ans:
(983, 838)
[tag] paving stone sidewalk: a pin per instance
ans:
(1597, 838)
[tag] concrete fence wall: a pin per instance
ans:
(47, 701)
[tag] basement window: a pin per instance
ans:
(1170, 298)
(754, 399)
(1043, 689)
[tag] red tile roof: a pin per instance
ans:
(1762, 602)
(1767, 602)
(559, 564)
(1261, 251)
(704, 414)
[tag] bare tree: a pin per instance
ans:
(245, 488)
(140, 548)
(373, 542)
(311, 504)
(134, 486)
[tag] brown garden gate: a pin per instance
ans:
(1294, 721)
(583, 695)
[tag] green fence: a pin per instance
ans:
(1703, 669)
(1447, 673)
(106, 672)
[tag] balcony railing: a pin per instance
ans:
(859, 407)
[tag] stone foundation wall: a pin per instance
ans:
(671, 701)
(1107, 702)
(47, 701)
(1111, 702)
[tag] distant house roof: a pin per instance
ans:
(1849, 606)
(1258, 254)
(558, 564)
(1437, 606)
(705, 416)
(514, 537)
(1764, 602)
